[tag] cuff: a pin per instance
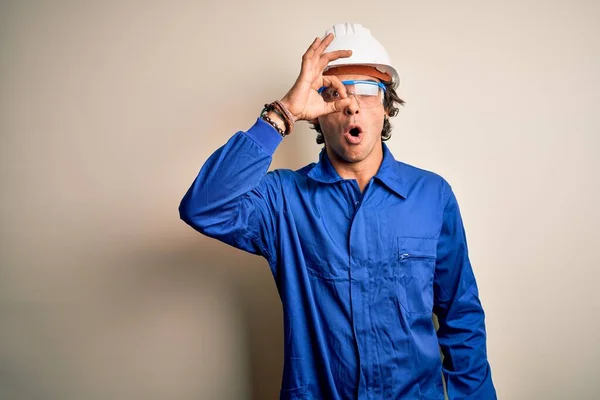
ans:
(264, 135)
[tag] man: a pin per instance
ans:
(363, 248)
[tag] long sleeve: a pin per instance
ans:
(234, 198)
(461, 333)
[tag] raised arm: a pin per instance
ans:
(234, 199)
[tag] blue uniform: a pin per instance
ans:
(359, 274)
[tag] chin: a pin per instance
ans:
(352, 156)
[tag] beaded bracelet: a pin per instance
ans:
(282, 112)
(273, 124)
(279, 114)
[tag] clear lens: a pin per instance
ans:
(367, 93)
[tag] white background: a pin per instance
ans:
(108, 110)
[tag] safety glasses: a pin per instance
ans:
(367, 93)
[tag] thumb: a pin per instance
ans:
(337, 106)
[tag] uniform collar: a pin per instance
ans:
(389, 173)
(323, 171)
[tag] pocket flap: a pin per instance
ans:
(417, 247)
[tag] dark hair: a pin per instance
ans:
(391, 102)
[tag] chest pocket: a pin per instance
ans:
(415, 268)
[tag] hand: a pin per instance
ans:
(303, 101)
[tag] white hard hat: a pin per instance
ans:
(366, 50)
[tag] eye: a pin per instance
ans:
(330, 95)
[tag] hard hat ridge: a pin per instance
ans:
(366, 49)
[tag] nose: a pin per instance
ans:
(353, 107)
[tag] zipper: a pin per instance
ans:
(405, 256)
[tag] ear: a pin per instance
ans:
(386, 112)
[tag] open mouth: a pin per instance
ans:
(353, 134)
(355, 131)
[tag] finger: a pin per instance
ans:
(324, 43)
(334, 82)
(334, 55)
(313, 47)
(309, 57)
(337, 106)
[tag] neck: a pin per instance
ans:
(361, 171)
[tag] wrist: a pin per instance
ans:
(270, 115)
(277, 114)
(277, 120)
(286, 104)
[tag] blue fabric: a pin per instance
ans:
(359, 274)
